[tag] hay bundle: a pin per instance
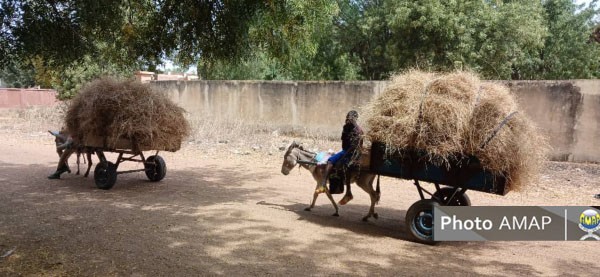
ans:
(127, 109)
(425, 111)
(503, 138)
(455, 114)
(394, 111)
(444, 115)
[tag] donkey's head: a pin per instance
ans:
(60, 137)
(290, 159)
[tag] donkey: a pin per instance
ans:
(363, 179)
(61, 138)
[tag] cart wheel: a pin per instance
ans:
(155, 168)
(443, 194)
(105, 175)
(419, 221)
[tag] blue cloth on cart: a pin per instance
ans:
(322, 157)
(337, 157)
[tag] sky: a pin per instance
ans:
(578, 2)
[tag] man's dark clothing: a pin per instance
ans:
(351, 137)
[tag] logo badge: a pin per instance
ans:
(589, 222)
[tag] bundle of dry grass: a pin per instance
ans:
(393, 115)
(456, 114)
(425, 111)
(503, 138)
(115, 110)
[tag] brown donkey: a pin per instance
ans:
(60, 139)
(296, 153)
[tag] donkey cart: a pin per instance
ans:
(105, 172)
(464, 173)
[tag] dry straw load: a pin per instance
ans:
(126, 110)
(455, 114)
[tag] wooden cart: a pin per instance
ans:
(105, 172)
(464, 173)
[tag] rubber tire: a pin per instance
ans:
(155, 168)
(419, 221)
(445, 192)
(105, 175)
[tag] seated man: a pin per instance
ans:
(64, 147)
(351, 145)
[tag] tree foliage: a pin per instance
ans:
(16, 75)
(60, 43)
(568, 52)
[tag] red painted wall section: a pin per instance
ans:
(22, 98)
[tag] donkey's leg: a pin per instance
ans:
(315, 195)
(365, 181)
(317, 173)
(372, 208)
(332, 202)
(78, 161)
(89, 161)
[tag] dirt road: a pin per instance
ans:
(228, 214)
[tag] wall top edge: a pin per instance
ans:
(265, 81)
(26, 89)
(356, 81)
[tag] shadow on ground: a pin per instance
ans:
(205, 221)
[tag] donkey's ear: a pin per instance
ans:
(300, 146)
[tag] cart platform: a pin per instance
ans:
(466, 173)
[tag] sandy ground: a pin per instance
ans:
(220, 212)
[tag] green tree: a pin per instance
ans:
(363, 32)
(492, 38)
(141, 33)
(69, 80)
(16, 75)
(287, 40)
(256, 65)
(69, 41)
(568, 52)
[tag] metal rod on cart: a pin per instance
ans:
(101, 156)
(131, 171)
(131, 160)
(119, 159)
(420, 189)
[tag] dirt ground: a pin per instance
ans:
(225, 209)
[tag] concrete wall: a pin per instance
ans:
(22, 98)
(568, 112)
(586, 146)
(555, 107)
(316, 106)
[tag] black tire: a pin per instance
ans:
(155, 168)
(443, 195)
(105, 175)
(419, 221)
